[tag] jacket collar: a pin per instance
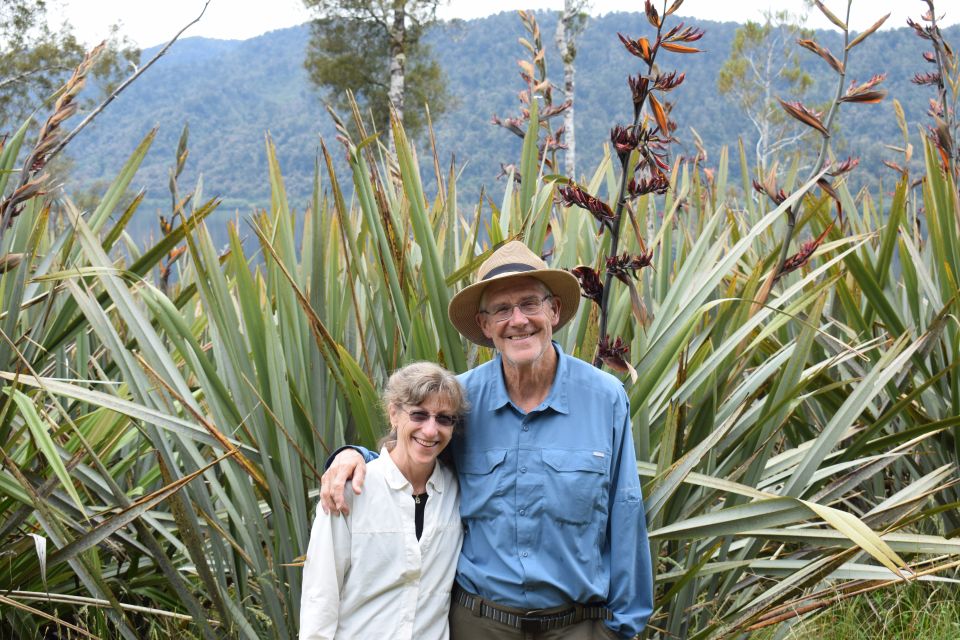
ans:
(397, 481)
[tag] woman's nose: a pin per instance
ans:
(429, 428)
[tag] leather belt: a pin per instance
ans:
(536, 621)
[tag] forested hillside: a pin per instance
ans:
(233, 93)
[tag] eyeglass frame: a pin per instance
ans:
(419, 416)
(508, 308)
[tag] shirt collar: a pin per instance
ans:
(397, 481)
(559, 397)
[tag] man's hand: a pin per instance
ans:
(346, 465)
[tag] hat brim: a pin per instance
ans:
(463, 307)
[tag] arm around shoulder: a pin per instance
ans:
(346, 464)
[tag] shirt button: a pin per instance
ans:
(524, 554)
(526, 428)
(523, 512)
(523, 469)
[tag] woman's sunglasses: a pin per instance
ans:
(444, 420)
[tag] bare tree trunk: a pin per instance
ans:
(569, 26)
(398, 60)
(570, 157)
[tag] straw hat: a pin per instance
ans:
(512, 260)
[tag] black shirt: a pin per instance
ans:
(420, 502)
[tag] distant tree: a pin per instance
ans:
(375, 49)
(764, 64)
(36, 59)
(572, 22)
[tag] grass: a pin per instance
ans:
(911, 612)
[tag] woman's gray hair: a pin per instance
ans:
(414, 383)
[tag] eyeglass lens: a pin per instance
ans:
(528, 307)
(442, 419)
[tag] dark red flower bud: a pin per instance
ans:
(614, 354)
(668, 81)
(847, 165)
(624, 140)
(926, 78)
(626, 266)
(770, 190)
(800, 258)
(574, 195)
(658, 183)
(510, 124)
(920, 30)
(679, 33)
(639, 86)
(590, 285)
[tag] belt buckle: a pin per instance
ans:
(531, 624)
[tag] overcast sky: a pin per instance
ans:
(150, 22)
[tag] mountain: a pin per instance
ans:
(235, 93)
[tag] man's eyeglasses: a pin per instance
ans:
(444, 420)
(527, 306)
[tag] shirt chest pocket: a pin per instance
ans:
(575, 485)
(483, 482)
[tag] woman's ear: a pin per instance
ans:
(392, 412)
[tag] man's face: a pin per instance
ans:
(521, 339)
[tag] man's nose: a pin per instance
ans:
(514, 313)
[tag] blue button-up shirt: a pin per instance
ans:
(550, 499)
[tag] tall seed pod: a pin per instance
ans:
(33, 179)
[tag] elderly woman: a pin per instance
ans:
(386, 569)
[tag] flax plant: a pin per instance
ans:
(160, 446)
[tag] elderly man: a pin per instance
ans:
(555, 542)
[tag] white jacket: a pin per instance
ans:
(367, 576)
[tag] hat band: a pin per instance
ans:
(510, 267)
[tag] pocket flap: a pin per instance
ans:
(481, 462)
(567, 460)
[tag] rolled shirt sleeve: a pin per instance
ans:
(627, 551)
(368, 456)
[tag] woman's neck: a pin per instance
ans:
(416, 474)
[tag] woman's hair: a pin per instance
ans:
(414, 383)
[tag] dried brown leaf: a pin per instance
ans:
(652, 17)
(804, 115)
(829, 14)
(860, 38)
(823, 53)
(867, 97)
(10, 261)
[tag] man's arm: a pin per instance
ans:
(346, 463)
(628, 550)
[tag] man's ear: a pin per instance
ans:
(481, 320)
(555, 305)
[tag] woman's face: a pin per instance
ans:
(423, 430)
